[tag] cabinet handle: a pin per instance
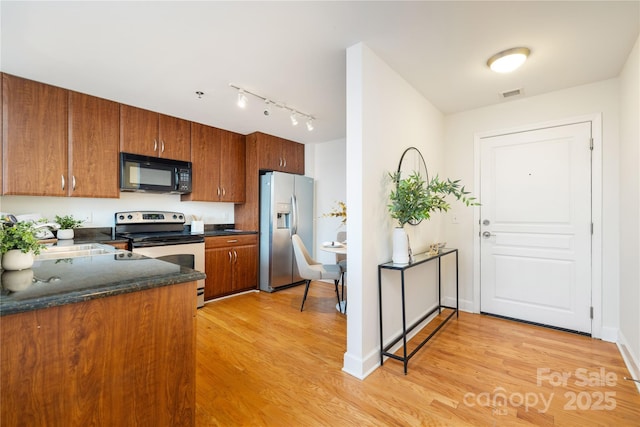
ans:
(232, 241)
(62, 176)
(162, 146)
(73, 182)
(285, 162)
(229, 257)
(224, 192)
(218, 191)
(155, 145)
(235, 255)
(280, 162)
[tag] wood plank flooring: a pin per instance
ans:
(261, 362)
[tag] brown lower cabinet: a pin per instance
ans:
(124, 360)
(231, 264)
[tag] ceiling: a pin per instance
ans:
(156, 55)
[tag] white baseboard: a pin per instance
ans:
(463, 304)
(630, 360)
(360, 368)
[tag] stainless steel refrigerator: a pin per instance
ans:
(286, 208)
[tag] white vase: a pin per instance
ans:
(400, 246)
(15, 259)
(65, 234)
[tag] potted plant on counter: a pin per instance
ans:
(412, 199)
(18, 245)
(67, 224)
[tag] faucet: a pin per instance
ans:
(43, 231)
(49, 225)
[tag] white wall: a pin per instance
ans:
(601, 97)
(630, 210)
(102, 211)
(385, 115)
(329, 172)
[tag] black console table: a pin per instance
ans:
(417, 260)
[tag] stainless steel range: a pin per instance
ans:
(163, 235)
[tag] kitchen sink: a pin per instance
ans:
(73, 251)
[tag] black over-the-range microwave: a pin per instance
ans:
(154, 174)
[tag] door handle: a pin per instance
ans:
(487, 234)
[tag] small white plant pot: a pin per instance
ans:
(15, 259)
(65, 234)
(400, 246)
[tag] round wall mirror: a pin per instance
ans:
(412, 161)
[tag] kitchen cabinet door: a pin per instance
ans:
(153, 134)
(205, 160)
(232, 167)
(35, 137)
(138, 131)
(174, 135)
(278, 154)
(93, 146)
(218, 159)
(219, 282)
(245, 272)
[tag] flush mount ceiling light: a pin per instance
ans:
(508, 60)
(294, 113)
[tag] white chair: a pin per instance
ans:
(312, 270)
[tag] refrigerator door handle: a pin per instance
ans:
(294, 213)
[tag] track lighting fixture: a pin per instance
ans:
(294, 114)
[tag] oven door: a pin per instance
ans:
(189, 255)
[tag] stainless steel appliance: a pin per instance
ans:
(163, 235)
(154, 174)
(286, 208)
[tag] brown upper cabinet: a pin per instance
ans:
(279, 154)
(218, 158)
(35, 138)
(58, 142)
(153, 134)
(93, 146)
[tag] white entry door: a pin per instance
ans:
(535, 225)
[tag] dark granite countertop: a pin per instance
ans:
(55, 282)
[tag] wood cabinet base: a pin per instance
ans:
(121, 361)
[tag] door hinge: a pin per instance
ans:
(591, 144)
(591, 312)
(592, 229)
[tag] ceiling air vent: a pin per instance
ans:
(511, 93)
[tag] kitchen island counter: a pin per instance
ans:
(64, 281)
(107, 339)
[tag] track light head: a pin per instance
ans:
(242, 99)
(267, 107)
(294, 119)
(310, 124)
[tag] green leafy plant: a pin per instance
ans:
(21, 235)
(68, 222)
(340, 211)
(413, 199)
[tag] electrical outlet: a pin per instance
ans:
(454, 219)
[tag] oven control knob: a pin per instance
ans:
(175, 216)
(129, 216)
(121, 217)
(180, 217)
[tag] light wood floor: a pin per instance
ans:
(261, 362)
